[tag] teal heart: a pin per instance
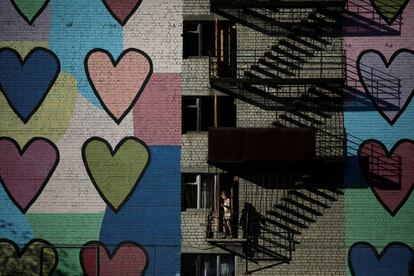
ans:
(115, 173)
(389, 10)
(29, 10)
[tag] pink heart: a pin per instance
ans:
(122, 10)
(389, 174)
(128, 258)
(118, 84)
(25, 172)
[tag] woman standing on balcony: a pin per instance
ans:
(227, 214)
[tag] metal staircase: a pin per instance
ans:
(305, 78)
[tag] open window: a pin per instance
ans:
(198, 38)
(207, 265)
(201, 113)
(198, 191)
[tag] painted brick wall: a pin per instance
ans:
(76, 206)
(368, 225)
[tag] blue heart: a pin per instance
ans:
(395, 260)
(26, 83)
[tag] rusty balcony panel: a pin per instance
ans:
(260, 144)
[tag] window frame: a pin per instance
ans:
(200, 33)
(200, 262)
(199, 184)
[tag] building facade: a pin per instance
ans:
(206, 137)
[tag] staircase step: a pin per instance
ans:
(304, 42)
(302, 206)
(295, 48)
(287, 54)
(324, 96)
(313, 110)
(336, 191)
(309, 199)
(295, 213)
(278, 244)
(263, 71)
(274, 66)
(284, 227)
(287, 219)
(320, 193)
(270, 253)
(252, 76)
(265, 18)
(337, 16)
(280, 60)
(293, 121)
(305, 117)
(278, 124)
(321, 21)
(281, 235)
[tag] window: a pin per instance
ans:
(198, 38)
(198, 191)
(207, 265)
(200, 113)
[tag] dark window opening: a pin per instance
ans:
(197, 113)
(226, 112)
(198, 38)
(207, 265)
(198, 191)
(201, 113)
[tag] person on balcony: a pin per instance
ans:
(227, 214)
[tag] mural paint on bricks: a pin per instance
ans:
(29, 10)
(390, 84)
(127, 258)
(116, 172)
(37, 257)
(395, 259)
(85, 26)
(63, 228)
(25, 83)
(122, 10)
(390, 174)
(70, 189)
(118, 83)
(13, 27)
(163, 94)
(389, 10)
(25, 170)
(155, 228)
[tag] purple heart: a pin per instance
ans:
(390, 84)
(25, 172)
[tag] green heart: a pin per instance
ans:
(30, 9)
(37, 257)
(389, 10)
(115, 173)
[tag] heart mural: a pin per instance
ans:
(128, 258)
(26, 83)
(389, 10)
(25, 172)
(122, 10)
(118, 84)
(390, 175)
(37, 257)
(389, 85)
(29, 10)
(394, 260)
(115, 173)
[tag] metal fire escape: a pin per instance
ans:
(305, 78)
